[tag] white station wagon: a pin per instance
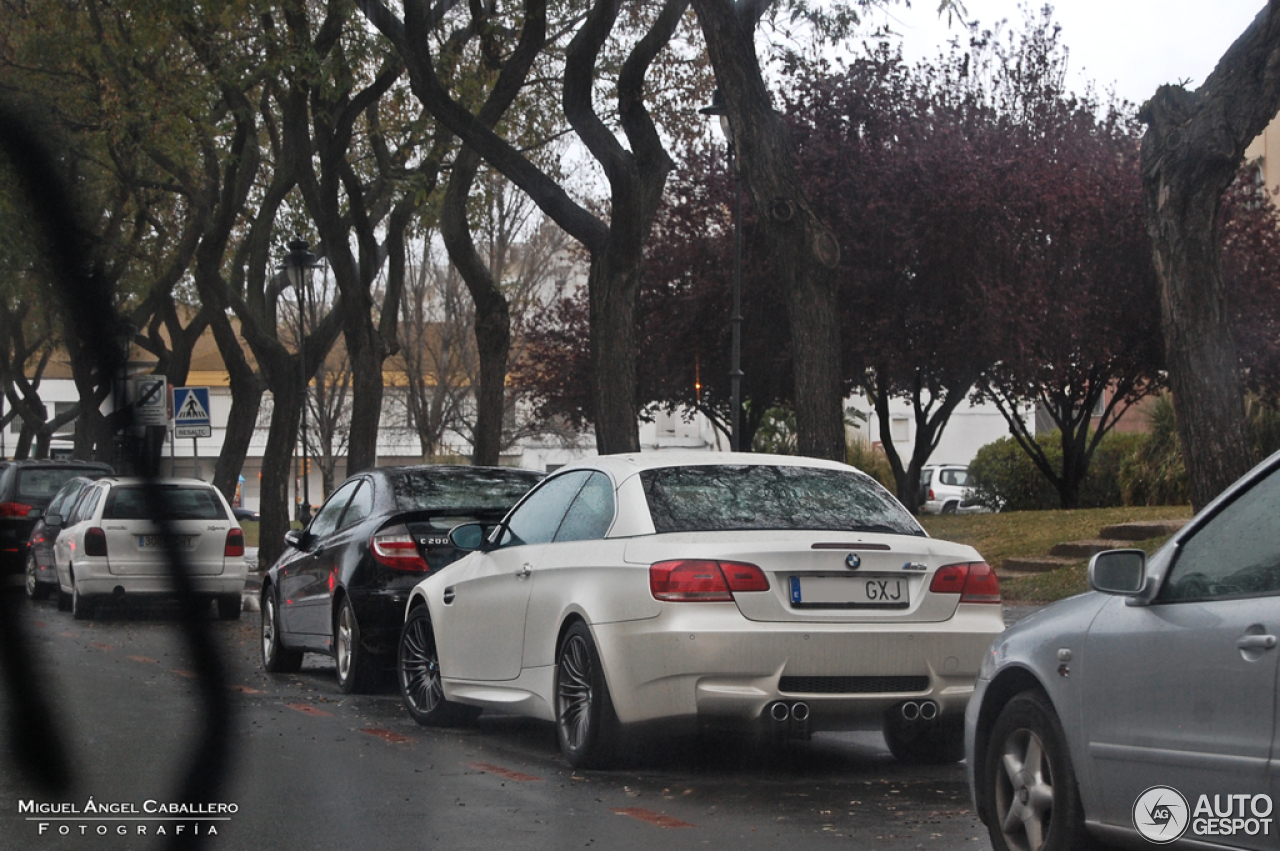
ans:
(778, 593)
(109, 546)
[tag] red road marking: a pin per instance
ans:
(184, 673)
(40, 624)
(657, 819)
(394, 738)
(146, 659)
(70, 634)
(308, 709)
(246, 689)
(505, 773)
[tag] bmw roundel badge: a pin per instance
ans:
(853, 561)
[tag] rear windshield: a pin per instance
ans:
(757, 496)
(456, 488)
(37, 485)
(959, 478)
(180, 503)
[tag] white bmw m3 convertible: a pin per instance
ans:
(779, 593)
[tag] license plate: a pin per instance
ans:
(850, 592)
(146, 542)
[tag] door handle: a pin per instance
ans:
(1256, 642)
(448, 595)
(524, 571)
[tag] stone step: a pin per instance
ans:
(1087, 549)
(1141, 530)
(1035, 564)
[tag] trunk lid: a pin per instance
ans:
(824, 577)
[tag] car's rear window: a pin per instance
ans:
(759, 496)
(461, 488)
(959, 478)
(180, 502)
(37, 485)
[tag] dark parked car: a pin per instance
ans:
(243, 514)
(42, 575)
(29, 484)
(341, 585)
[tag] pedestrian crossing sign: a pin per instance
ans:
(191, 412)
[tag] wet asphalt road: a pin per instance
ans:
(314, 768)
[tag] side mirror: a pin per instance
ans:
(296, 538)
(468, 536)
(52, 519)
(1119, 572)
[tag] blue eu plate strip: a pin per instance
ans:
(795, 589)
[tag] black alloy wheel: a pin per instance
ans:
(418, 675)
(586, 725)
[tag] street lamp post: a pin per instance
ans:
(298, 264)
(719, 108)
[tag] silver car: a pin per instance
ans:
(1145, 711)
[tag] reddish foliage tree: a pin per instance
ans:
(1080, 336)
(915, 190)
(683, 315)
(1251, 277)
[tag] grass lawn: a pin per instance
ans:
(252, 531)
(1033, 533)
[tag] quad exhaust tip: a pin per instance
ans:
(925, 710)
(781, 711)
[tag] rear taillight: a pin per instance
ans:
(703, 581)
(396, 549)
(932, 498)
(975, 582)
(982, 586)
(14, 509)
(95, 542)
(235, 544)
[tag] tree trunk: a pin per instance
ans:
(365, 356)
(930, 425)
(805, 251)
(1193, 146)
(493, 317)
(612, 298)
(246, 401)
(276, 498)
